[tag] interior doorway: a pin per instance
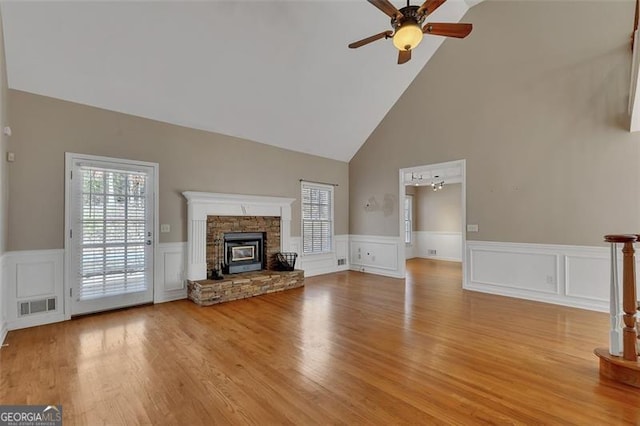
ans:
(432, 206)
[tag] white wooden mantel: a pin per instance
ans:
(203, 204)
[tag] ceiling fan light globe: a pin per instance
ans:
(408, 36)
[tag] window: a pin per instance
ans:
(317, 218)
(408, 218)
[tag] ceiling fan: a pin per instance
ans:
(407, 23)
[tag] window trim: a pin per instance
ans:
(331, 189)
(411, 200)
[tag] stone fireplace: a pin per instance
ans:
(226, 234)
(210, 214)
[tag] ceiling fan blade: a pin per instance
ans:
(404, 56)
(429, 6)
(447, 29)
(384, 34)
(386, 7)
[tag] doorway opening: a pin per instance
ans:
(432, 206)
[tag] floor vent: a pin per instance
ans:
(342, 262)
(37, 306)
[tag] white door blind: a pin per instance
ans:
(112, 211)
(317, 218)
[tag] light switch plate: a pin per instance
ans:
(165, 227)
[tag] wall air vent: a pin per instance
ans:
(342, 262)
(37, 306)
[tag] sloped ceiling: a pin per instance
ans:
(275, 72)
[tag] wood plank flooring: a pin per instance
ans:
(348, 348)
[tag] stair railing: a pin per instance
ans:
(629, 337)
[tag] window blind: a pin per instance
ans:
(408, 218)
(317, 218)
(110, 235)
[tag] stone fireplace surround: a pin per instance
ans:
(203, 204)
(218, 226)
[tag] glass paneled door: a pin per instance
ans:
(111, 223)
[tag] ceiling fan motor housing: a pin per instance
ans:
(409, 14)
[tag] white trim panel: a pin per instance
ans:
(448, 245)
(575, 276)
(170, 274)
(326, 263)
(3, 301)
(377, 255)
(31, 275)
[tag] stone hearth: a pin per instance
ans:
(241, 286)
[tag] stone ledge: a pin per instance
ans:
(241, 286)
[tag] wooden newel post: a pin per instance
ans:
(629, 301)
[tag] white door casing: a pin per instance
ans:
(110, 233)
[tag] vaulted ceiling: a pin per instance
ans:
(275, 72)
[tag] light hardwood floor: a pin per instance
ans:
(347, 348)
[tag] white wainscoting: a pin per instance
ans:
(411, 250)
(38, 274)
(170, 274)
(3, 302)
(376, 254)
(448, 245)
(318, 264)
(33, 275)
(576, 276)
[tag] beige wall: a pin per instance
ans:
(4, 146)
(190, 160)
(4, 201)
(535, 100)
(439, 211)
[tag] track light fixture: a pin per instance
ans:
(437, 185)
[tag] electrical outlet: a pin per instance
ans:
(432, 252)
(549, 279)
(165, 227)
(472, 228)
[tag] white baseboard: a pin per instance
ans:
(376, 255)
(376, 271)
(170, 274)
(446, 259)
(574, 276)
